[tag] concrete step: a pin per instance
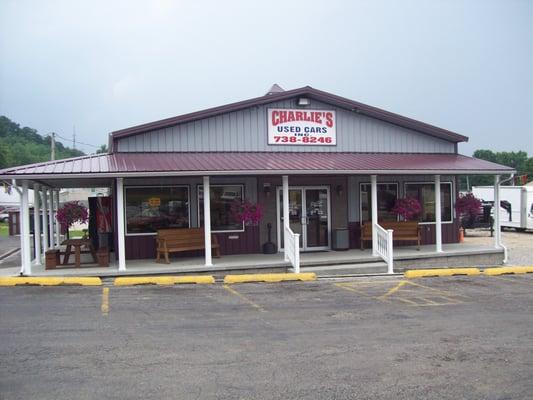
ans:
(377, 267)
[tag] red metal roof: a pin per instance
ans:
(241, 163)
(307, 91)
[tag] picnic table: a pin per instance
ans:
(77, 244)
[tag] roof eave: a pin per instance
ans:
(259, 172)
(307, 91)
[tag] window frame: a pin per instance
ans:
(452, 201)
(153, 186)
(397, 184)
(243, 187)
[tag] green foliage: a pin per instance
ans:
(102, 149)
(519, 160)
(19, 146)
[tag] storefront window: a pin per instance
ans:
(387, 195)
(425, 193)
(222, 198)
(151, 208)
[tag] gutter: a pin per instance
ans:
(133, 174)
(505, 250)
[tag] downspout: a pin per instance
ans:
(497, 209)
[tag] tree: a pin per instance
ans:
(20, 146)
(518, 160)
(102, 149)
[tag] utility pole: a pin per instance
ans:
(53, 144)
(74, 137)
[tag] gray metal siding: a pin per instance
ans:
(246, 130)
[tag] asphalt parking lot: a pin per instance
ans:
(365, 338)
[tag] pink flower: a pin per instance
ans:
(407, 208)
(246, 212)
(70, 213)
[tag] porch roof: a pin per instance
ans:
(252, 163)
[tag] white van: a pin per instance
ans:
(516, 204)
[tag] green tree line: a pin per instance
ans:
(19, 146)
(519, 160)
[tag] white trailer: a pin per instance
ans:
(516, 204)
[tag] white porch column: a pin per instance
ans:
(438, 216)
(46, 245)
(374, 200)
(121, 232)
(25, 231)
(286, 222)
(37, 223)
(51, 219)
(58, 226)
(497, 227)
(207, 222)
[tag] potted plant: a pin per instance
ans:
(407, 208)
(69, 213)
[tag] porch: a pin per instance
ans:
(325, 263)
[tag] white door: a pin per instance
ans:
(309, 215)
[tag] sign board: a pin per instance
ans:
(301, 127)
(154, 201)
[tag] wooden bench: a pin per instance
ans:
(177, 240)
(403, 231)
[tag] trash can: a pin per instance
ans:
(341, 239)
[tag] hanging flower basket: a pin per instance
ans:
(246, 212)
(70, 213)
(408, 208)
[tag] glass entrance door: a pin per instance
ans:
(309, 212)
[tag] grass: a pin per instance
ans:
(72, 233)
(4, 229)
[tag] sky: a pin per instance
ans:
(97, 66)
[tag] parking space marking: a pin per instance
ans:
(405, 292)
(394, 289)
(445, 292)
(346, 286)
(244, 298)
(105, 301)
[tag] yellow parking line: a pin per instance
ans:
(428, 301)
(370, 282)
(105, 301)
(244, 298)
(393, 290)
(346, 286)
(410, 302)
(446, 292)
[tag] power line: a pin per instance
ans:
(77, 141)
